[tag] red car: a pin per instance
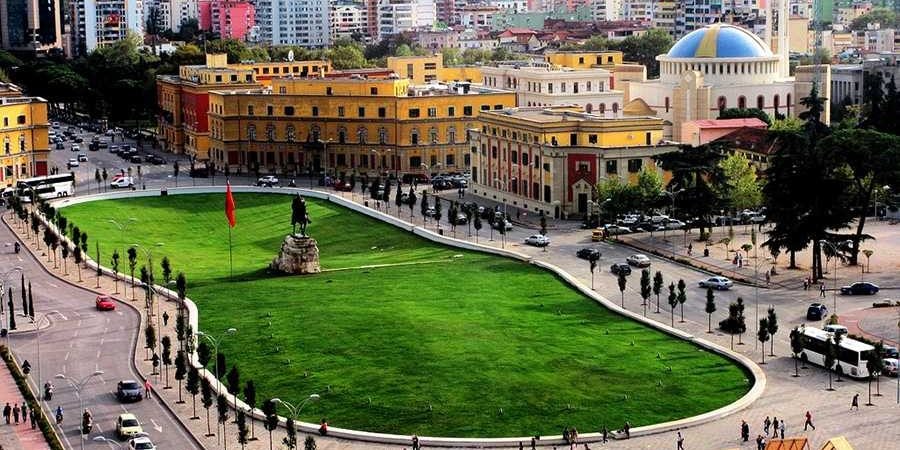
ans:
(105, 303)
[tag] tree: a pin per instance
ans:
(84, 238)
(221, 365)
(745, 113)
(24, 294)
(646, 289)
(290, 439)
(772, 323)
(242, 428)
(592, 263)
(682, 297)
(451, 217)
(645, 48)
(710, 308)
(543, 224)
(673, 301)
(437, 212)
(798, 342)
(115, 267)
(204, 353)
(657, 287)
(410, 202)
(234, 381)
(181, 288)
(12, 310)
(398, 199)
(616, 197)
(882, 16)
(132, 265)
(423, 207)
(149, 338)
(649, 187)
(98, 178)
(695, 170)
(180, 371)
(166, 356)
(874, 365)
(222, 410)
(831, 352)
(271, 424)
(78, 260)
(175, 169)
(741, 320)
(207, 399)
(30, 302)
(622, 282)
(193, 387)
(477, 226)
(738, 185)
(166, 269)
(763, 335)
(250, 400)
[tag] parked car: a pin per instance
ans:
(659, 218)
(153, 159)
(891, 352)
(614, 230)
(136, 159)
(60, 146)
(503, 223)
(114, 149)
(860, 288)
(267, 181)
(620, 267)
(720, 283)
(588, 253)
(674, 225)
(128, 390)
(816, 311)
(630, 219)
(82, 157)
(123, 182)
(141, 443)
(105, 303)
(128, 426)
(461, 219)
(638, 260)
(836, 329)
(73, 162)
(890, 367)
(429, 212)
(75, 148)
(537, 240)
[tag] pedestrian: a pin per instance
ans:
(15, 412)
(565, 434)
(680, 441)
(533, 443)
(24, 413)
(573, 436)
(690, 249)
(7, 410)
(605, 433)
(775, 427)
(822, 290)
(805, 284)
(781, 428)
(745, 431)
(808, 422)
(768, 278)
(415, 442)
(759, 442)
(520, 446)
(165, 317)
(147, 387)
(627, 430)
(33, 419)
(853, 404)
(766, 424)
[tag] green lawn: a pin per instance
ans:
(436, 348)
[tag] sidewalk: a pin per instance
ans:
(17, 437)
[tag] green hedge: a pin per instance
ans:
(43, 422)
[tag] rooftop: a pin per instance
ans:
(730, 123)
(555, 114)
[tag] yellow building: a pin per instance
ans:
(550, 159)
(24, 134)
(585, 60)
(425, 69)
(384, 125)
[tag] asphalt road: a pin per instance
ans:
(80, 341)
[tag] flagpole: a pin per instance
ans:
(230, 257)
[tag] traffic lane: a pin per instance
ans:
(81, 341)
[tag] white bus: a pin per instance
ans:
(47, 187)
(852, 354)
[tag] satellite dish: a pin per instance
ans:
(291, 55)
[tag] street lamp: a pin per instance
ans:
(35, 322)
(122, 226)
(380, 153)
(78, 386)
(295, 410)
(4, 283)
(672, 195)
(215, 343)
(325, 153)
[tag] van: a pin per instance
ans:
(597, 235)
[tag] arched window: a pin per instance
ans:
(290, 133)
(742, 102)
(361, 135)
(342, 135)
(433, 135)
(722, 103)
(314, 133)
(451, 135)
(382, 135)
(615, 108)
(251, 132)
(589, 108)
(602, 108)
(760, 102)
(414, 136)
(788, 104)
(270, 132)
(667, 104)
(776, 103)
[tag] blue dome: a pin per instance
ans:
(720, 41)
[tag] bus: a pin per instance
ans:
(47, 187)
(852, 354)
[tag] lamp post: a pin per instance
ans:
(5, 278)
(78, 386)
(380, 154)
(325, 143)
(122, 226)
(834, 291)
(35, 322)
(672, 195)
(215, 341)
(294, 411)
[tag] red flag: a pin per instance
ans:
(229, 205)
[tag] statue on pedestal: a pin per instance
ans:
(299, 215)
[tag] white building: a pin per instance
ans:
(847, 82)
(510, 6)
(175, 12)
(306, 23)
(723, 66)
(398, 16)
(348, 19)
(637, 10)
(540, 84)
(606, 10)
(98, 23)
(477, 16)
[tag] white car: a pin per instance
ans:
(674, 225)
(659, 218)
(720, 283)
(73, 162)
(630, 219)
(537, 240)
(836, 329)
(268, 180)
(891, 365)
(638, 260)
(123, 182)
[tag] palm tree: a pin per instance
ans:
(64, 252)
(180, 371)
(657, 287)
(710, 308)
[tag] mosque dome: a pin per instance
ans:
(720, 41)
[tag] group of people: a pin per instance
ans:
(12, 414)
(809, 284)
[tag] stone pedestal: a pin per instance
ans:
(298, 255)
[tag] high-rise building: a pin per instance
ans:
(30, 25)
(306, 23)
(231, 19)
(23, 135)
(696, 14)
(349, 19)
(398, 16)
(172, 13)
(606, 10)
(98, 23)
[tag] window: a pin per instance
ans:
(414, 136)
(282, 90)
(615, 108)
(249, 110)
(467, 110)
(612, 167)
(776, 103)
(583, 167)
(498, 106)
(361, 135)
(432, 112)
(340, 111)
(514, 157)
(667, 104)
(315, 111)
(450, 160)
(329, 91)
(742, 102)
(451, 135)
(562, 87)
(251, 132)
(634, 165)
(573, 139)
(524, 159)
(537, 161)
(760, 102)
(270, 110)
(289, 110)
(270, 132)
(382, 135)
(485, 107)
(361, 112)
(413, 113)
(342, 135)
(648, 138)
(373, 91)
(602, 108)
(592, 138)
(415, 161)
(721, 103)
(430, 66)
(575, 88)
(547, 193)
(382, 112)
(433, 135)
(589, 86)
(451, 111)
(290, 133)
(581, 60)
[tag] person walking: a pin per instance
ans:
(768, 278)
(7, 410)
(781, 429)
(822, 290)
(627, 430)
(745, 431)
(808, 422)
(24, 413)
(805, 284)
(33, 419)
(16, 412)
(165, 318)
(680, 441)
(766, 424)
(853, 404)
(760, 442)
(605, 433)
(147, 387)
